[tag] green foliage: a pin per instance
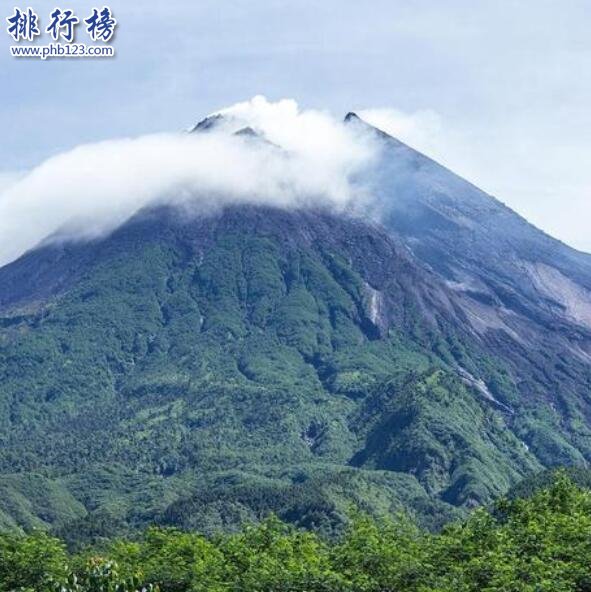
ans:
(535, 544)
(34, 501)
(100, 575)
(432, 415)
(535, 482)
(208, 384)
(32, 562)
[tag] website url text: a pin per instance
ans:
(61, 50)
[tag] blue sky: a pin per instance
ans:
(499, 91)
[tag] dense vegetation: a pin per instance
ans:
(202, 375)
(204, 371)
(538, 544)
(197, 374)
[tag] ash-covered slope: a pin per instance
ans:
(203, 371)
(525, 295)
(479, 245)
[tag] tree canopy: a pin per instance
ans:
(537, 544)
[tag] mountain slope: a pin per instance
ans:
(244, 342)
(526, 296)
(205, 370)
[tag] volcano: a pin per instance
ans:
(204, 370)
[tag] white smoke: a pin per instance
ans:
(9, 178)
(305, 157)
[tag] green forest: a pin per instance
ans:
(203, 391)
(540, 541)
(271, 402)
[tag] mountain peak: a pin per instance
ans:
(300, 337)
(228, 123)
(208, 123)
(352, 116)
(247, 131)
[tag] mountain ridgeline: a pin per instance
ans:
(205, 371)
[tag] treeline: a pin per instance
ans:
(538, 544)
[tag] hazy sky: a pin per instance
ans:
(499, 91)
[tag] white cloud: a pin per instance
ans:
(92, 189)
(308, 157)
(9, 178)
